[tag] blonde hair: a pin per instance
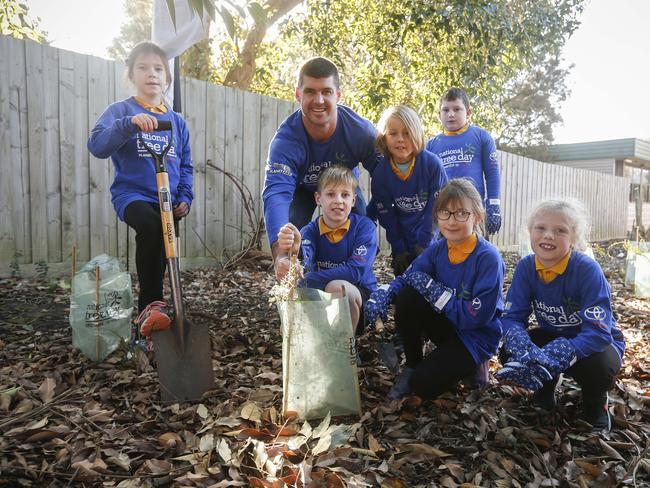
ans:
(574, 212)
(455, 191)
(409, 118)
(337, 175)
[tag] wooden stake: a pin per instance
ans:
(97, 344)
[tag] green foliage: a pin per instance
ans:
(15, 21)
(412, 51)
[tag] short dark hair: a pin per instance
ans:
(319, 67)
(147, 47)
(455, 93)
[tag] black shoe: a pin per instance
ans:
(545, 399)
(598, 417)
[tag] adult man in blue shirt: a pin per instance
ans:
(318, 135)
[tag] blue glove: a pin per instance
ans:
(433, 292)
(529, 376)
(377, 305)
(493, 220)
(556, 356)
(517, 345)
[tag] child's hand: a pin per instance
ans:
(289, 239)
(145, 122)
(181, 210)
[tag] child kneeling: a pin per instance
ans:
(338, 248)
(451, 294)
(571, 299)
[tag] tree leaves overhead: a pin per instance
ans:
(412, 51)
(16, 22)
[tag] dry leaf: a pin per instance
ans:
(46, 390)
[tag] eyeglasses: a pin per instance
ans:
(459, 215)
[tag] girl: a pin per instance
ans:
(451, 294)
(404, 185)
(134, 191)
(571, 300)
(467, 151)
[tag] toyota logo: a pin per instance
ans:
(595, 313)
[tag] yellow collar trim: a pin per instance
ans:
(333, 235)
(458, 253)
(549, 274)
(455, 132)
(157, 109)
(399, 174)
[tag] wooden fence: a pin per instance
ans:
(54, 195)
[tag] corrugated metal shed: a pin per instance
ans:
(634, 152)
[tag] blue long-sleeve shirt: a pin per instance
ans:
(476, 304)
(405, 207)
(471, 154)
(577, 304)
(296, 160)
(115, 136)
(349, 259)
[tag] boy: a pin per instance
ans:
(339, 247)
(467, 151)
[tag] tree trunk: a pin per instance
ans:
(241, 75)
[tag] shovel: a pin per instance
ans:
(386, 349)
(183, 352)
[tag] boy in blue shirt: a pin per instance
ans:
(338, 248)
(467, 151)
(322, 133)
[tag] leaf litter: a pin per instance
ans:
(65, 421)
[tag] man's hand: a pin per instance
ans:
(289, 239)
(493, 219)
(181, 210)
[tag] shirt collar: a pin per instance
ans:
(157, 109)
(456, 132)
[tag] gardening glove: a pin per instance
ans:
(517, 345)
(377, 305)
(433, 292)
(493, 220)
(400, 263)
(556, 356)
(529, 376)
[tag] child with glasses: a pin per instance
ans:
(451, 294)
(571, 299)
(404, 185)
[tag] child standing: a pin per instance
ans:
(404, 185)
(134, 191)
(467, 151)
(451, 295)
(338, 248)
(571, 300)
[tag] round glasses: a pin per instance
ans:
(459, 215)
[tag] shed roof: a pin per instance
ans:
(633, 151)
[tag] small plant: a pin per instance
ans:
(14, 266)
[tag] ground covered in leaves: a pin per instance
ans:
(65, 421)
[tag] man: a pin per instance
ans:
(320, 134)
